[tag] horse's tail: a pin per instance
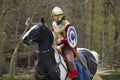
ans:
(96, 55)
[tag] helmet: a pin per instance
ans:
(57, 11)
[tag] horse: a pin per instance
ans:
(51, 65)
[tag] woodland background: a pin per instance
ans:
(97, 23)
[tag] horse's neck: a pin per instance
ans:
(44, 45)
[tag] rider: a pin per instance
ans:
(59, 28)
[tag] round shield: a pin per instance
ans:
(72, 37)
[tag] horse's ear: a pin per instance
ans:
(42, 20)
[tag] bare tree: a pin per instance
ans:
(116, 11)
(92, 24)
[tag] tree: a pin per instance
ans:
(116, 11)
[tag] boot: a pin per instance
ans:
(74, 75)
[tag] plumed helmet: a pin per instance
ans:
(57, 11)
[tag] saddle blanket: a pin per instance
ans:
(84, 73)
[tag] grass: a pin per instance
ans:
(20, 77)
(110, 75)
(107, 75)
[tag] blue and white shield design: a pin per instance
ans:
(72, 37)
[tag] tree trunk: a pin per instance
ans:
(14, 57)
(2, 34)
(92, 24)
(116, 14)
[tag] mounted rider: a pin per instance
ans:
(60, 28)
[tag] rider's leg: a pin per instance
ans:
(70, 60)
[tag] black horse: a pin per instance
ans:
(51, 65)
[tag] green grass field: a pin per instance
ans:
(21, 77)
(108, 75)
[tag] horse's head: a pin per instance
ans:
(38, 33)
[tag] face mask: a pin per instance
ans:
(59, 17)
